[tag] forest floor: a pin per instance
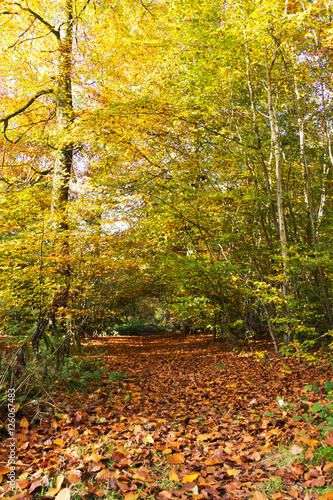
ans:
(192, 420)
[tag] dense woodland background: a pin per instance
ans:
(165, 165)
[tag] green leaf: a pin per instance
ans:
(328, 386)
(317, 407)
(304, 398)
(315, 386)
(298, 418)
(308, 387)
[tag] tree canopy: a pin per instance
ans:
(166, 162)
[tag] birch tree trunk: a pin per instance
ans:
(304, 160)
(278, 174)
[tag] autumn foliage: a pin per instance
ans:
(191, 420)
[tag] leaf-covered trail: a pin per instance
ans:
(190, 421)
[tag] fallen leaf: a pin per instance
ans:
(259, 496)
(295, 449)
(59, 481)
(63, 494)
(319, 482)
(212, 461)
(104, 475)
(74, 476)
(176, 458)
(24, 423)
(233, 472)
(173, 476)
(131, 496)
(190, 478)
(58, 441)
(34, 485)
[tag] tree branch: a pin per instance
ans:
(6, 118)
(41, 19)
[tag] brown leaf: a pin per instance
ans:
(118, 455)
(259, 496)
(24, 423)
(130, 495)
(212, 461)
(173, 476)
(176, 458)
(35, 485)
(74, 476)
(318, 482)
(295, 449)
(328, 467)
(104, 475)
(78, 415)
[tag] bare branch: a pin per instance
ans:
(146, 8)
(41, 19)
(6, 118)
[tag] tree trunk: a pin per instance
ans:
(278, 171)
(64, 161)
(304, 160)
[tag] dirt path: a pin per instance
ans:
(191, 420)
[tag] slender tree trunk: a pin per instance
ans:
(259, 148)
(64, 161)
(304, 160)
(278, 173)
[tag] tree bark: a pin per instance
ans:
(64, 161)
(278, 173)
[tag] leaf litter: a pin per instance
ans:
(192, 420)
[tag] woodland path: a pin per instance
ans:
(192, 420)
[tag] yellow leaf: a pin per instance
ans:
(59, 481)
(94, 457)
(190, 478)
(52, 492)
(63, 494)
(130, 495)
(58, 441)
(202, 437)
(233, 472)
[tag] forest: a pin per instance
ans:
(166, 277)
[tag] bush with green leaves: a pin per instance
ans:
(322, 410)
(77, 374)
